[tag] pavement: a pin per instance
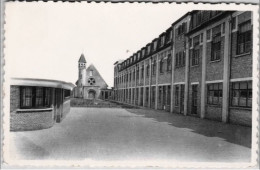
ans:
(118, 134)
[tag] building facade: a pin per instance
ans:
(38, 103)
(90, 84)
(201, 66)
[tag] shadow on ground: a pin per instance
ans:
(236, 134)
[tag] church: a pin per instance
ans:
(90, 84)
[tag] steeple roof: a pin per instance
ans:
(82, 59)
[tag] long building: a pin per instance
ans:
(201, 66)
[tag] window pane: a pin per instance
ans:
(235, 98)
(243, 98)
(235, 85)
(249, 85)
(247, 47)
(215, 86)
(220, 86)
(210, 99)
(48, 96)
(27, 97)
(39, 96)
(243, 85)
(245, 26)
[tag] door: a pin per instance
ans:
(194, 99)
(91, 94)
(182, 99)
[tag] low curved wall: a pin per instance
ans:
(31, 120)
(66, 108)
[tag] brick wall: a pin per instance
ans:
(164, 77)
(66, 108)
(179, 74)
(213, 113)
(240, 116)
(14, 98)
(31, 120)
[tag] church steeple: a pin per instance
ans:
(82, 59)
(81, 64)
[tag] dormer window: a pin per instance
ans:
(162, 40)
(154, 45)
(181, 29)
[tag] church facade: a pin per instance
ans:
(90, 84)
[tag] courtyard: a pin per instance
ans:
(119, 134)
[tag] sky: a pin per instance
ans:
(45, 40)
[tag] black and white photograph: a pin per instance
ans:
(130, 85)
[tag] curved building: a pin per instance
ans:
(38, 103)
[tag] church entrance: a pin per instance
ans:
(91, 94)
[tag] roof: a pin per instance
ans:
(41, 83)
(82, 59)
(118, 62)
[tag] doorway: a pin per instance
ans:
(91, 94)
(194, 99)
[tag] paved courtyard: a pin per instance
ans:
(134, 134)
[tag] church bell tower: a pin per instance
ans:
(81, 65)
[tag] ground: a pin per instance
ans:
(134, 134)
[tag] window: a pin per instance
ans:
(216, 47)
(66, 93)
(91, 81)
(195, 57)
(223, 28)
(190, 42)
(148, 49)
(201, 37)
(194, 96)
(162, 40)
(142, 72)
(180, 59)
(177, 59)
(214, 94)
(181, 29)
(35, 97)
(39, 97)
(154, 67)
(147, 70)
(169, 62)
(244, 38)
(137, 73)
(161, 65)
(168, 36)
(208, 34)
(91, 73)
(176, 95)
(169, 94)
(241, 94)
(196, 51)
(233, 23)
(26, 94)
